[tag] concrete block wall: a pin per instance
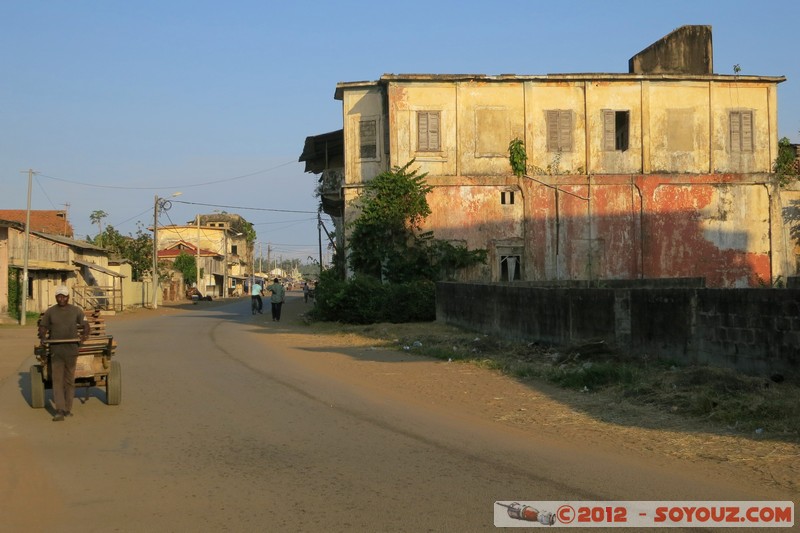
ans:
(756, 331)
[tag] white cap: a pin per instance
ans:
(63, 290)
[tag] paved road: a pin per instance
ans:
(226, 425)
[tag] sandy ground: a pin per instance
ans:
(537, 408)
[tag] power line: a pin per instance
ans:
(214, 182)
(243, 207)
(38, 183)
(284, 221)
(134, 216)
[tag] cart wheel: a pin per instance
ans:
(37, 387)
(114, 384)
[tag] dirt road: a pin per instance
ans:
(274, 423)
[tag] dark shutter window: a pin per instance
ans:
(616, 130)
(622, 124)
(510, 268)
(368, 138)
(428, 131)
(559, 131)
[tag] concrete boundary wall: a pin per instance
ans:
(756, 331)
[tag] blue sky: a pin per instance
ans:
(114, 102)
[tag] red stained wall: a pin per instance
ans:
(618, 227)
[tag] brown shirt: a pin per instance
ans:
(65, 322)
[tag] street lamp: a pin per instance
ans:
(158, 205)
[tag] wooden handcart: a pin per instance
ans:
(95, 367)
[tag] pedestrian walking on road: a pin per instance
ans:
(255, 295)
(60, 323)
(278, 296)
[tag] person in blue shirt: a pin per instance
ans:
(255, 297)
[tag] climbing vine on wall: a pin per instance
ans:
(517, 157)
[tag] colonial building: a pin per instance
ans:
(224, 253)
(661, 172)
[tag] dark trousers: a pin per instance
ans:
(276, 310)
(258, 304)
(63, 375)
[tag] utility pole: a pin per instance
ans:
(225, 264)
(159, 203)
(319, 237)
(198, 252)
(66, 216)
(24, 293)
(155, 253)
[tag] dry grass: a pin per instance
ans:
(594, 379)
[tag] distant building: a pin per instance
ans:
(55, 260)
(52, 222)
(225, 253)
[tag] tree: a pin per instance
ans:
(187, 265)
(97, 218)
(393, 205)
(137, 249)
(394, 261)
(386, 240)
(787, 164)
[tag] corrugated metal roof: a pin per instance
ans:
(99, 268)
(69, 242)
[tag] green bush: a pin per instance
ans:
(14, 292)
(365, 300)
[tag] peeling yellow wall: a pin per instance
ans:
(616, 96)
(679, 130)
(363, 104)
(674, 126)
(541, 97)
(675, 203)
(726, 97)
(490, 115)
(404, 103)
